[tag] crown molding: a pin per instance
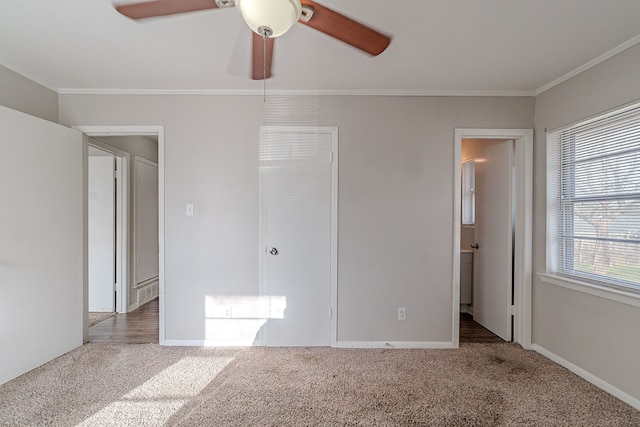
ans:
(616, 50)
(280, 92)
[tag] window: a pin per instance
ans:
(469, 192)
(594, 200)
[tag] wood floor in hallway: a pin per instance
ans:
(472, 331)
(137, 327)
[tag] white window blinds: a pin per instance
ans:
(594, 181)
(469, 192)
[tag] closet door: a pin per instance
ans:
(296, 245)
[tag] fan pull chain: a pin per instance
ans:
(264, 67)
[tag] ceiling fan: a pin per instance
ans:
(269, 19)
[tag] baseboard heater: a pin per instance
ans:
(146, 290)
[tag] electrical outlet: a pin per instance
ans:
(402, 313)
(227, 312)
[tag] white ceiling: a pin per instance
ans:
(438, 47)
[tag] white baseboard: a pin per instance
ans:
(208, 343)
(339, 344)
(598, 382)
(394, 344)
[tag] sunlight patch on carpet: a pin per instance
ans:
(155, 401)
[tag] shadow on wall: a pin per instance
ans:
(237, 320)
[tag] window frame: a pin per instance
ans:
(468, 203)
(561, 180)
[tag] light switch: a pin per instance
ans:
(189, 209)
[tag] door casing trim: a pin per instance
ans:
(108, 130)
(523, 234)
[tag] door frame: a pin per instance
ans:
(122, 222)
(333, 131)
(108, 130)
(522, 272)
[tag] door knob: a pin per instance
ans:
(474, 246)
(273, 251)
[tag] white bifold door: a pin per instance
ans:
(296, 234)
(494, 228)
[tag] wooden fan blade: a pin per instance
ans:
(261, 67)
(154, 8)
(346, 29)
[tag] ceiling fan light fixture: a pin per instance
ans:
(270, 16)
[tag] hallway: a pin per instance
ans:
(137, 327)
(472, 331)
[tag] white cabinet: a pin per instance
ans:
(466, 277)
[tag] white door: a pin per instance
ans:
(492, 277)
(296, 234)
(41, 242)
(101, 233)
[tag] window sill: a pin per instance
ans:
(611, 294)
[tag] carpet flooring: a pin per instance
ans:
(138, 385)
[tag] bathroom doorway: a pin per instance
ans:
(486, 240)
(513, 296)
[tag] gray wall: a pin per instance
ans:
(395, 198)
(21, 94)
(597, 335)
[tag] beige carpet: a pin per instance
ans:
(476, 385)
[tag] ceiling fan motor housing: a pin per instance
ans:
(225, 3)
(274, 16)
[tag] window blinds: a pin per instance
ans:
(596, 180)
(469, 192)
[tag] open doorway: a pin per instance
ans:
(486, 240)
(137, 234)
(513, 149)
